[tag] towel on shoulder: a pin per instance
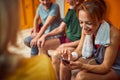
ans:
(102, 38)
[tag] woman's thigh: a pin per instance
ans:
(84, 75)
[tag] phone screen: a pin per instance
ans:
(64, 60)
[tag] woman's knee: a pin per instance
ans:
(80, 76)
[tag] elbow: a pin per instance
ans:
(105, 69)
(60, 30)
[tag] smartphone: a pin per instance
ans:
(64, 60)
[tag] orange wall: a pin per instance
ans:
(114, 12)
(28, 9)
(27, 12)
(66, 7)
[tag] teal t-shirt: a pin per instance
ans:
(73, 31)
(52, 11)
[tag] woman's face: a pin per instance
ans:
(89, 26)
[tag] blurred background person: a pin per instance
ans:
(47, 18)
(12, 65)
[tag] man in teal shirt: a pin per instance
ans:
(49, 15)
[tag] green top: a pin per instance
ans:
(73, 31)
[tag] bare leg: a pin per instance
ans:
(84, 75)
(50, 44)
(56, 63)
(42, 51)
(65, 72)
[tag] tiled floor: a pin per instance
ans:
(22, 49)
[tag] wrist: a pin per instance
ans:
(45, 35)
(74, 55)
(37, 37)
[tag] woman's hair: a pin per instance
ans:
(9, 23)
(96, 9)
(77, 6)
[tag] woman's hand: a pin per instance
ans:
(75, 65)
(66, 54)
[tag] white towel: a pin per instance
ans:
(102, 38)
(103, 34)
(87, 47)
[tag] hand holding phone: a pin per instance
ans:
(64, 60)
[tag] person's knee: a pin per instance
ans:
(34, 50)
(55, 59)
(45, 47)
(27, 41)
(80, 76)
(61, 46)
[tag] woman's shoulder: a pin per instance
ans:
(115, 33)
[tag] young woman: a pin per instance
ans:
(49, 15)
(106, 44)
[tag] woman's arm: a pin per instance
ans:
(78, 50)
(110, 54)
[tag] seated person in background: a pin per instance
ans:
(49, 15)
(14, 66)
(106, 42)
(71, 39)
